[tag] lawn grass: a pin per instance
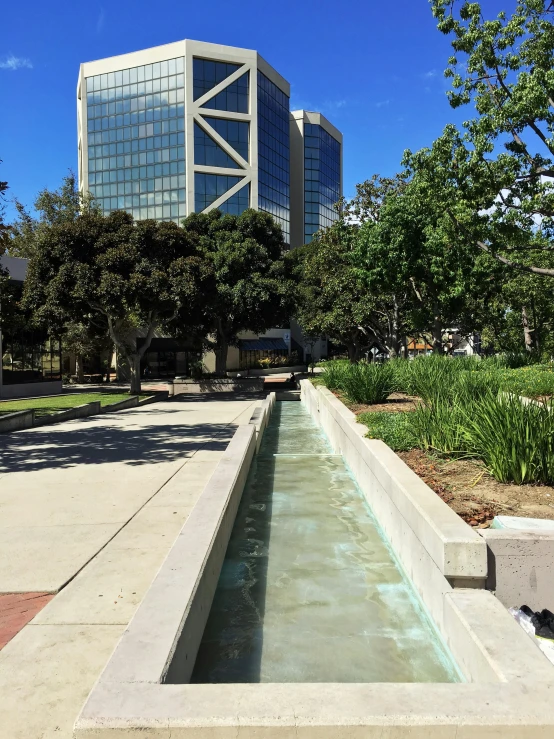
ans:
(52, 404)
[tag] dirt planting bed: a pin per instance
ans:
(395, 403)
(466, 486)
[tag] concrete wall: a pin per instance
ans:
(31, 389)
(79, 411)
(225, 385)
(17, 421)
(521, 567)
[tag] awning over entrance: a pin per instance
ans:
(264, 345)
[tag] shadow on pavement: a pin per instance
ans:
(59, 447)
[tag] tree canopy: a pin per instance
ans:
(248, 288)
(124, 275)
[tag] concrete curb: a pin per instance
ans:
(171, 619)
(17, 421)
(79, 411)
(270, 371)
(260, 417)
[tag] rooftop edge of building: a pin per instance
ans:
(317, 119)
(184, 47)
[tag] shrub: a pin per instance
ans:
(515, 439)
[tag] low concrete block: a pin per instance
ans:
(17, 421)
(79, 411)
(521, 567)
(121, 404)
(224, 385)
(31, 389)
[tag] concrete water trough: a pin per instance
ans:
(150, 687)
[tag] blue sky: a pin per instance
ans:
(374, 68)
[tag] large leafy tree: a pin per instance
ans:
(126, 276)
(495, 180)
(248, 288)
(331, 296)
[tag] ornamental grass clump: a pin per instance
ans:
(515, 439)
(333, 374)
(368, 383)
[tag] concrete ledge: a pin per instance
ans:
(521, 567)
(170, 620)
(449, 542)
(260, 417)
(223, 385)
(269, 371)
(157, 397)
(121, 404)
(17, 421)
(79, 411)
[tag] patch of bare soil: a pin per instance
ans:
(395, 403)
(466, 486)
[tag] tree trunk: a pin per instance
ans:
(527, 333)
(79, 369)
(221, 356)
(437, 333)
(353, 351)
(134, 371)
(109, 363)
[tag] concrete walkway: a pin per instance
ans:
(89, 509)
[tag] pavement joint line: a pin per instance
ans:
(126, 523)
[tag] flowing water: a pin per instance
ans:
(310, 591)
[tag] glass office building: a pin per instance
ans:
(186, 127)
(316, 169)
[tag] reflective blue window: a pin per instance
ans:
(136, 140)
(207, 74)
(238, 202)
(210, 187)
(321, 179)
(235, 133)
(233, 98)
(207, 152)
(274, 153)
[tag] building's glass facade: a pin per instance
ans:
(136, 140)
(235, 133)
(208, 153)
(322, 180)
(207, 73)
(209, 187)
(274, 153)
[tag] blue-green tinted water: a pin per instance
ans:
(309, 590)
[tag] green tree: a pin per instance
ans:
(495, 180)
(331, 297)
(63, 205)
(408, 256)
(248, 288)
(125, 275)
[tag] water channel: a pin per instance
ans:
(310, 590)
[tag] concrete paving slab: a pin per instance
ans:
(46, 673)
(109, 590)
(97, 472)
(153, 527)
(44, 558)
(184, 487)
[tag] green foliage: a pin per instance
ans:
(331, 299)
(361, 383)
(121, 274)
(494, 180)
(394, 429)
(515, 439)
(247, 286)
